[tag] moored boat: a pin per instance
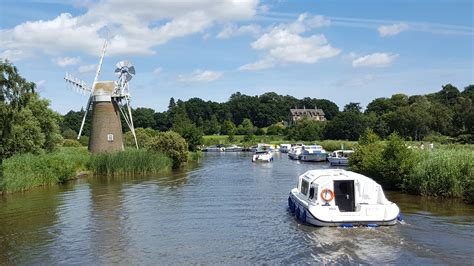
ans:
(313, 153)
(295, 151)
(285, 148)
(340, 157)
(335, 197)
(233, 148)
(214, 149)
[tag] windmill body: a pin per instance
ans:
(106, 129)
(107, 100)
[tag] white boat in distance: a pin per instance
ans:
(336, 197)
(295, 151)
(233, 148)
(285, 148)
(214, 149)
(262, 156)
(313, 153)
(340, 157)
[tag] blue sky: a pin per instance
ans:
(344, 51)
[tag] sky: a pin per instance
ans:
(343, 51)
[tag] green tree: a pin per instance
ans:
(228, 127)
(186, 128)
(346, 125)
(144, 118)
(26, 122)
(306, 130)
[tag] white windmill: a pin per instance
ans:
(106, 101)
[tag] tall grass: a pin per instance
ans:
(332, 145)
(129, 162)
(444, 173)
(22, 172)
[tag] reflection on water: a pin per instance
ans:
(226, 210)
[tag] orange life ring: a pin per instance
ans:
(324, 195)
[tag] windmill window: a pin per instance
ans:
(110, 137)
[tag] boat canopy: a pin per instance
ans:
(367, 190)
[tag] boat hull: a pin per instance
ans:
(320, 157)
(338, 161)
(319, 215)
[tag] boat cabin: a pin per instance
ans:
(344, 189)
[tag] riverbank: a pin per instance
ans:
(446, 171)
(25, 171)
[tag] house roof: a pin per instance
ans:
(308, 112)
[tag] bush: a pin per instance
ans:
(388, 164)
(84, 140)
(69, 134)
(397, 162)
(172, 145)
(71, 143)
(144, 136)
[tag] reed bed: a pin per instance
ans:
(443, 173)
(129, 162)
(24, 171)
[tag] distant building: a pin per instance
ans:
(312, 114)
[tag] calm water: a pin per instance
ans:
(225, 210)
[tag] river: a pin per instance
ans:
(225, 210)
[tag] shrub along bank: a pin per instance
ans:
(442, 172)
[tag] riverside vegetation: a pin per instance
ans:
(31, 133)
(446, 171)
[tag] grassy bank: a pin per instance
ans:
(446, 171)
(25, 171)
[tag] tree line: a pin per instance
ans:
(446, 115)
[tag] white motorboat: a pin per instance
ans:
(340, 157)
(285, 148)
(336, 197)
(233, 148)
(313, 153)
(295, 152)
(214, 149)
(262, 156)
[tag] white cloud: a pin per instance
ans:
(134, 27)
(87, 68)
(199, 75)
(66, 61)
(283, 44)
(14, 55)
(374, 60)
(394, 29)
(231, 30)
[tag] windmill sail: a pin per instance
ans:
(89, 102)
